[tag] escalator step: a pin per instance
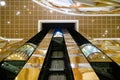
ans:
(57, 77)
(57, 65)
(57, 54)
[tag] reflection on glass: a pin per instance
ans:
(23, 52)
(89, 49)
(58, 34)
(93, 54)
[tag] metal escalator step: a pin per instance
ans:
(57, 65)
(57, 77)
(57, 54)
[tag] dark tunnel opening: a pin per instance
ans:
(58, 25)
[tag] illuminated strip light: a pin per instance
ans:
(106, 38)
(81, 65)
(87, 2)
(73, 14)
(107, 8)
(9, 39)
(71, 1)
(61, 3)
(38, 55)
(52, 8)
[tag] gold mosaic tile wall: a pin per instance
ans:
(19, 19)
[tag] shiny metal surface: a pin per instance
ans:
(57, 65)
(57, 77)
(94, 54)
(7, 47)
(23, 52)
(108, 2)
(110, 48)
(57, 54)
(80, 66)
(32, 68)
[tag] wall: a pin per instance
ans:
(0, 20)
(19, 19)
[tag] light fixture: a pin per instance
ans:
(118, 27)
(51, 11)
(82, 7)
(24, 6)
(103, 35)
(2, 3)
(17, 13)
(0, 50)
(8, 22)
(106, 31)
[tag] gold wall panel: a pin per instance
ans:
(19, 19)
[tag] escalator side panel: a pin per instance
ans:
(11, 70)
(80, 66)
(33, 66)
(104, 66)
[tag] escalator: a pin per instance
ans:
(11, 65)
(56, 65)
(51, 61)
(105, 67)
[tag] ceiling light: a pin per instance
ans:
(8, 22)
(33, 6)
(103, 35)
(0, 50)
(51, 11)
(2, 3)
(78, 4)
(106, 31)
(24, 6)
(118, 27)
(17, 13)
(87, 7)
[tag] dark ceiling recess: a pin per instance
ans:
(58, 25)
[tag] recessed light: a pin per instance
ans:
(106, 31)
(118, 27)
(17, 13)
(2, 3)
(51, 11)
(24, 6)
(8, 22)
